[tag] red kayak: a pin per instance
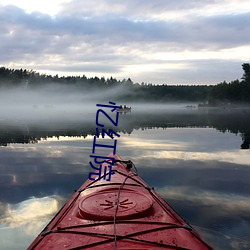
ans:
(123, 213)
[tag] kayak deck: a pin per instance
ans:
(124, 213)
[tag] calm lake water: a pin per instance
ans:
(197, 160)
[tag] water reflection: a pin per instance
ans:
(192, 160)
(20, 222)
(33, 209)
(233, 121)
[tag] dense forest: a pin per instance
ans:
(234, 92)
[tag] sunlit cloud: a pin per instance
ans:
(225, 54)
(45, 6)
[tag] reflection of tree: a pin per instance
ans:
(237, 122)
(16, 137)
(246, 141)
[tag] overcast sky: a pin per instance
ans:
(154, 41)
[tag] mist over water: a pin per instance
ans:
(59, 107)
(60, 102)
(56, 102)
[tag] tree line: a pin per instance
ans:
(236, 91)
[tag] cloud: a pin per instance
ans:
(145, 10)
(95, 38)
(122, 30)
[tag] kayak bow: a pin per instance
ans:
(124, 213)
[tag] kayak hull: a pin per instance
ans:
(123, 213)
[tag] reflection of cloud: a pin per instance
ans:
(68, 138)
(199, 144)
(170, 149)
(183, 139)
(29, 213)
(54, 156)
(228, 203)
(225, 156)
(25, 220)
(221, 218)
(148, 143)
(229, 240)
(2, 209)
